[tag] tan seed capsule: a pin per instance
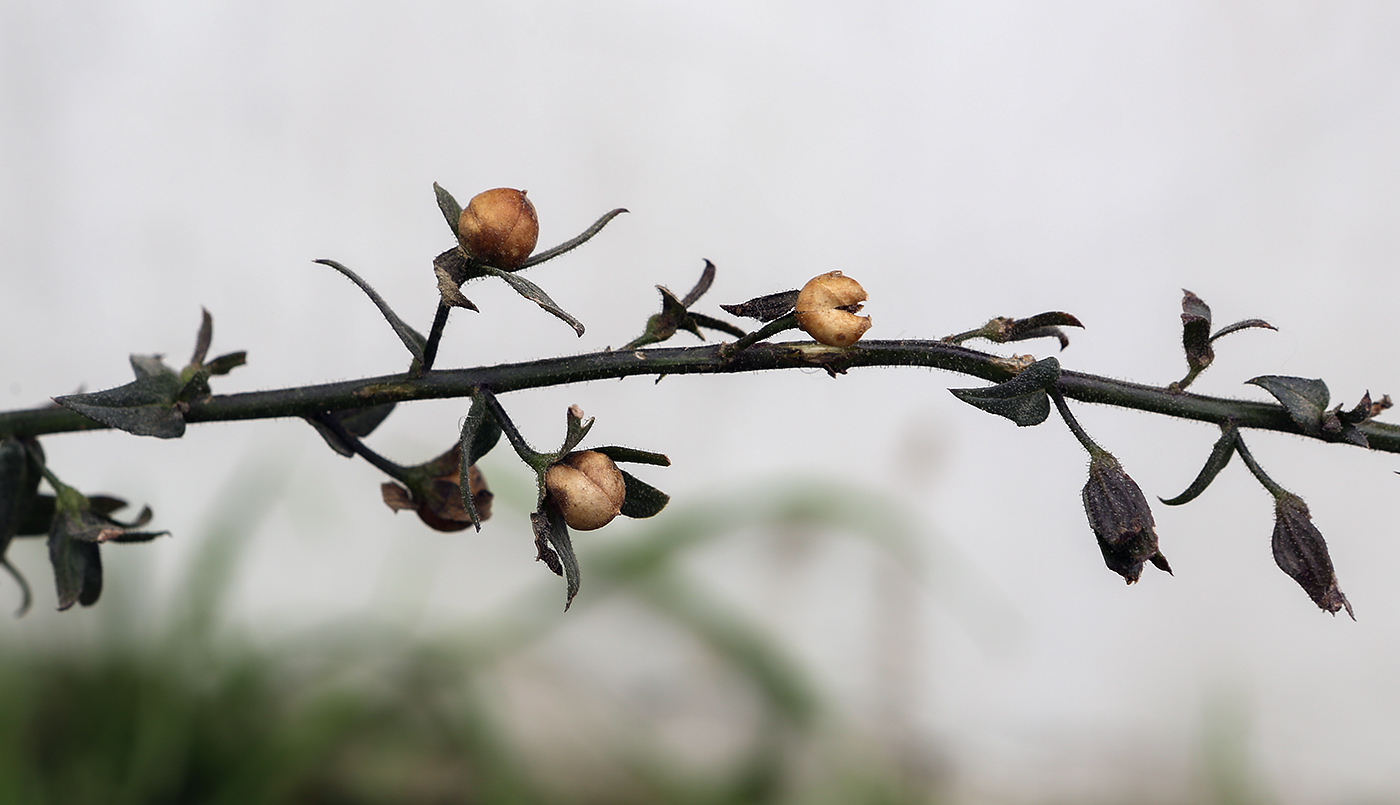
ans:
(827, 307)
(499, 227)
(588, 488)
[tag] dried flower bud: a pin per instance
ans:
(1121, 519)
(827, 308)
(1301, 552)
(588, 488)
(499, 228)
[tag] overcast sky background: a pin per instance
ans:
(963, 160)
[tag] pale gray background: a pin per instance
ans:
(961, 159)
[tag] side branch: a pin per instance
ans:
(710, 359)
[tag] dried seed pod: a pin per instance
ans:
(827, 307)
(588, 488)
(499, 228)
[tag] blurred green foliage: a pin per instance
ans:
(188, 714)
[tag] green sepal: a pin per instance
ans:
(711, 323)
(1022, 399)
(410, 337)
(144, 366)
(574, 242)
(224, 364)
(643, 500)
(1220, 455)
(556, 550)
(578, 428)
(633, 455)
(675, 314)
(77, 564)
(451, 210)
(535, 294)
(480, 432)
(764, 308)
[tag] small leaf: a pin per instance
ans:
(643, 500)
(224, 364)
(1022, 399)
(1042, 325)
(410, 337)
(764, 308)
(573, 243)
(1304, 399)
(1220, 455)
(711, 323)
(707, 278)
(578, 428)
(535, 294)
(145, 407)
(634, 456)
(451, 210)
(1242, 325)
(202, 341)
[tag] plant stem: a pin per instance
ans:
(522, 448)
(434, 337)
(705, 359)
(1263, 477)
(396, 471)
(1074, 427)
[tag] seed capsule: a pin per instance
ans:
(588, 488)
(827, 307)
(499, 228)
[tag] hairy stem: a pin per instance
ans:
(706, 359)
(1078, 430)
(434, 338)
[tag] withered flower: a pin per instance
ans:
(81, 524)
(435, 493)
(1121, 519)
(1301, 552)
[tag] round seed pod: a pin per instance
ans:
(827, 307)
(499, 228)
(588, 488)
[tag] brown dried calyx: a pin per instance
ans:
(588, 489)
(499, 228)
(827, 307)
